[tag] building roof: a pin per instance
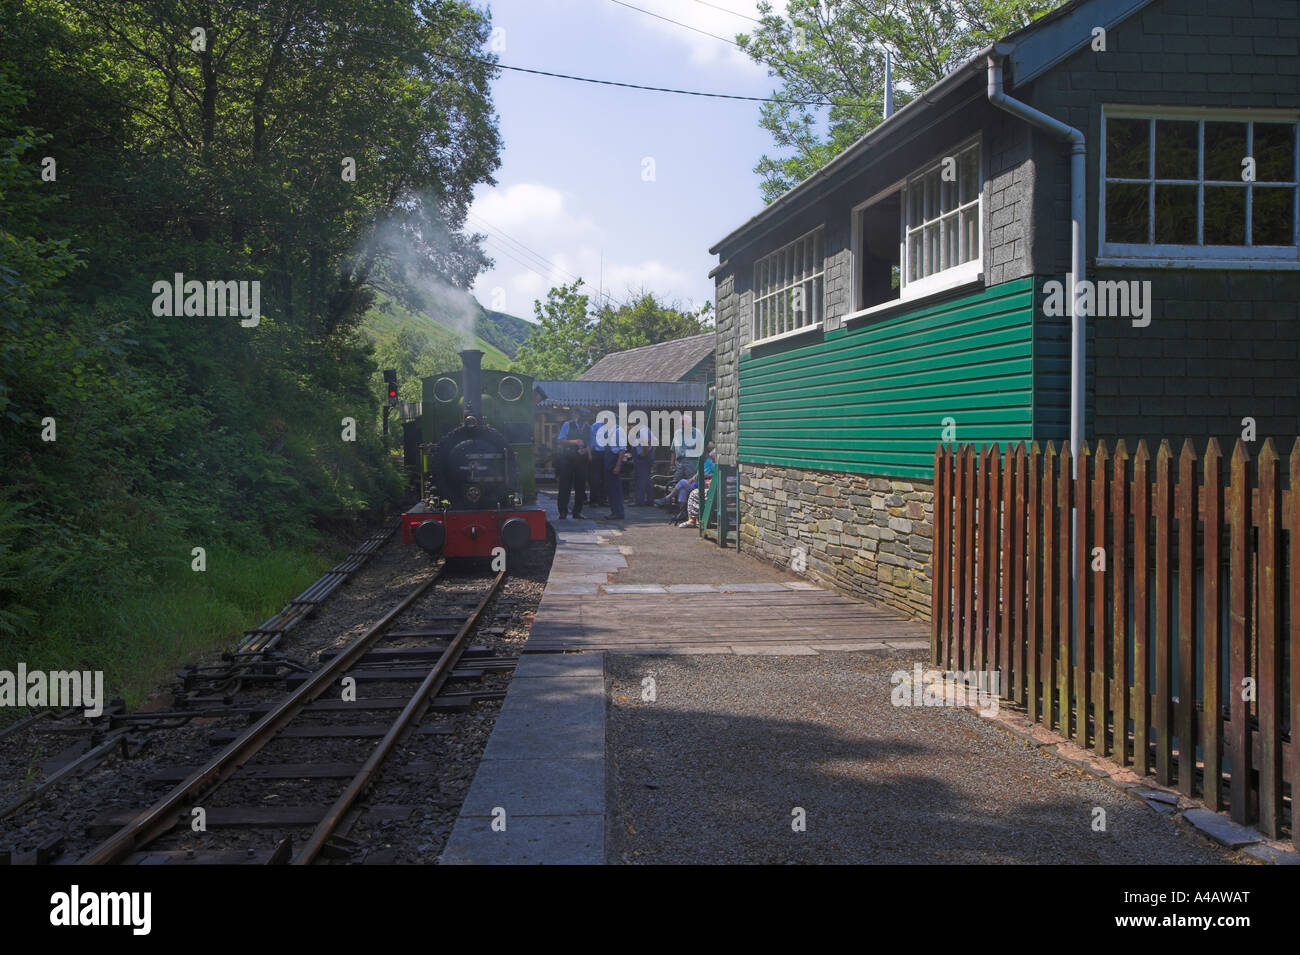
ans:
(1031, 51)
(667, 361)
(597, 395)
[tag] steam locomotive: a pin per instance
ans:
(478, 479)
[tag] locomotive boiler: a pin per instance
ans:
(476, 464)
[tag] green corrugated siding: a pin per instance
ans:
(872, 399)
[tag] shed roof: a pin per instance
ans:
(666, 361)
(596, 395)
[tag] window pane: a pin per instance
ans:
(931, 249)
(817, 300)
(1127, 148)
(914, 256)
(968, 172)
(948, 199)
(1271, 216)
(1175, 215)
(1176, 149)
(916, 210)
(932, 195)
(951, 253)
(1225, 215)
(1225, 148)
(1126, 212)
(970, 236)
(1274, 152)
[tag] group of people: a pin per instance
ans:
(594, 458)
(690, 475)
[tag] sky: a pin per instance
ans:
(625, 188)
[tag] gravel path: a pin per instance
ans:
(714, 768)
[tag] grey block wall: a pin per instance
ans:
(727, 383)
(1222, 345)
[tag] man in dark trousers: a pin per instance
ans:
(596, 464)
(571, 462)
(616, 458)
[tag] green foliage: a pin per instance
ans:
(505, 332)
(569, 337)
(833, 51)
(222, 163)
(558, 345)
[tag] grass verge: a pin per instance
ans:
(142, 632)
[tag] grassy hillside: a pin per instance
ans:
(498, 334)
(504, 331)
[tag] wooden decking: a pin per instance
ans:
(735, 620)
(755, 609)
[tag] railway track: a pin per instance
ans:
(387, 691)
(255, 659)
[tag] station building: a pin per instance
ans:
(909, 292)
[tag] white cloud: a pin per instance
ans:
(702, 49)
(528, 210)
(538, 239)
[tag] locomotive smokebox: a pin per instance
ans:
(471, 382)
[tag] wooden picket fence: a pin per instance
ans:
(1208, 548)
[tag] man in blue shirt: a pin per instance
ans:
(616, 457)
(571, 462)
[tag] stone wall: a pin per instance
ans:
(865, 536)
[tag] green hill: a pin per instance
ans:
(498, 334)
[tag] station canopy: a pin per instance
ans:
(637, 394)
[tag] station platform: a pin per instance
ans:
(639, 586)
(645, 586)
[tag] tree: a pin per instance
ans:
(833, 51)
(559, 346)
(644, 320)
(569, 338)
(208, 137)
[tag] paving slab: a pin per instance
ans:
(1222, 829)
(544, 765)
(537, 665)
(1274, 854)
(537, 787)
(789, 650)
(634, 589)
(527, 840)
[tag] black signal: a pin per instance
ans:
(390, 376)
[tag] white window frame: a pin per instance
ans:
(855, 243)
(1200, 255)
(777, 321)
(955, 275)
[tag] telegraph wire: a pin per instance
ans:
(679, 23)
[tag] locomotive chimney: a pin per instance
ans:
(471, 382)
